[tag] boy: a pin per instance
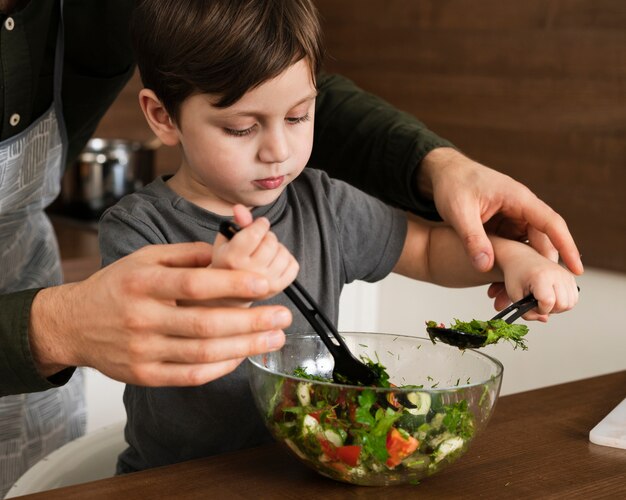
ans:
(237, 93)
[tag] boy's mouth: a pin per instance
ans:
(270, 182)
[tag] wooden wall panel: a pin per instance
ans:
(534, 88)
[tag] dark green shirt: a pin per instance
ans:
(358, 137)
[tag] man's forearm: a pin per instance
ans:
(364, 140)
(432, 165)
(49, 334)
(19, 372)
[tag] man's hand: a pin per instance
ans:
(126, 322)
(473, 198)
(470, 197)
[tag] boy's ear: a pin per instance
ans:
(158, 118)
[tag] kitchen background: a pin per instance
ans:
(535, 89)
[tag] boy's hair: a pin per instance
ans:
(221, 47)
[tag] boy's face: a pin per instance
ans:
(249, 152)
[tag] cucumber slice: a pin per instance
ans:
(448, 447)
(409, 422)
(421, 400)
(310, 425)
(303, 391)
(333, 437)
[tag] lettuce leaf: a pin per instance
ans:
(495, 330)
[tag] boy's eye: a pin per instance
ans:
(298, 119)
(239, 133)
(291, 120)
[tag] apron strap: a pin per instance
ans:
(58, 85)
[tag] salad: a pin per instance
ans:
(354, 433)
(493, 330)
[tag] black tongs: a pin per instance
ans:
(464, 340)
(347, 369)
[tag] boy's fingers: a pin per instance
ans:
(243, 216)
(266, 252)
(245, 242)
(494, 289)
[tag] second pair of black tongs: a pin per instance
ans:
(348, 369)
(464, 340)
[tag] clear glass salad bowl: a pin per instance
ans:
(441, 398)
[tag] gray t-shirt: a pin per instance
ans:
(337, 233)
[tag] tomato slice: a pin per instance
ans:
(316, 415)
(349, 454)
(399, 447)
(328, 448)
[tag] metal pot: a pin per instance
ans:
(104, 172)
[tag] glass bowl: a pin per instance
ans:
(376, 436)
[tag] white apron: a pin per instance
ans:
(31, 165)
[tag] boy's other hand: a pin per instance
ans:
(255, 248)
(553, 286)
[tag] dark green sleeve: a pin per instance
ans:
(98, 62)
(18, 373)
(367, 142)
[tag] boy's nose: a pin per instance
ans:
(275, 148)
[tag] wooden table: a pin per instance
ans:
(536, 446)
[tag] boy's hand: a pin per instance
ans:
(553, 286)
(255, 248)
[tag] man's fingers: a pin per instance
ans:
(468, 224)
(182, 375)
(200, 322)
(200, 283)
(555, 228)
(215, 350)
(196, 254)
(540, 242)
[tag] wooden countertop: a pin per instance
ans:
(536, 446)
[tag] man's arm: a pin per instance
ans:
(18, 371)
(472, 197)
(367, 142)
(120, 321)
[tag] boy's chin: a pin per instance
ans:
(263, 198)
